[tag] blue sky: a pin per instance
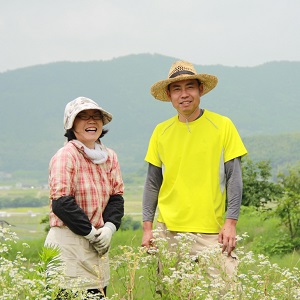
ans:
(207, 32)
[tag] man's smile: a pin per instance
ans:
(185, 102)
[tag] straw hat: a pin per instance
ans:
(79, 104)
(182, 70)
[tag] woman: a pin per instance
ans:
(86, 198)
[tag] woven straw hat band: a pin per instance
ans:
(181, 68)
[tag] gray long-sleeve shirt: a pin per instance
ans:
(234, 188)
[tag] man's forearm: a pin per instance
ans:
(151, 189)
(234, 187)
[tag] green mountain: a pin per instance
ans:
(262, 101)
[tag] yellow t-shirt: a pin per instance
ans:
(192, 196)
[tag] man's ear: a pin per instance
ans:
(201, 88)
(168, 94)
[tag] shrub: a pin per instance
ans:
(129, 224)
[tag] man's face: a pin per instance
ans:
(185, 96)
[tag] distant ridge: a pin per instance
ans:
(262, 101)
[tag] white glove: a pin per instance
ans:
(93, 235)
(94, 238)
(106, 233)
(100, 238)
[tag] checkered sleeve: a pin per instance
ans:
(61, 173)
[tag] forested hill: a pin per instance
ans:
(262, 101)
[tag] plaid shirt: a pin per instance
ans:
(72, 173)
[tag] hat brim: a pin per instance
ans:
(107, 117)
(159, 89)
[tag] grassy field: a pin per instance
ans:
(22, 192)
(26, 223)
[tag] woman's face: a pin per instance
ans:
(88, 126)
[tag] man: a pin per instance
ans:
(194, 167)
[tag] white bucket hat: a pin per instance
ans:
(182, 70)
(79, 104)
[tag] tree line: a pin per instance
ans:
(275, 199)
(26, 201)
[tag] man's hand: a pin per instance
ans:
(227, 236)
(147, 239)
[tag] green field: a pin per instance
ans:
(26, 222)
